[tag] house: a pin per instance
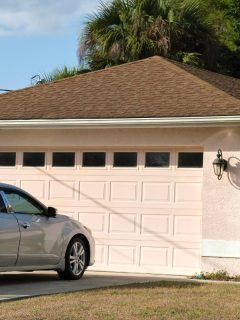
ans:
(128, 151)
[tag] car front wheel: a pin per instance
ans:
(75, 260)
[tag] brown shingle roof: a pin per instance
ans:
(225, 83)
(154, 87)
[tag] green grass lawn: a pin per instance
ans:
(159, 300)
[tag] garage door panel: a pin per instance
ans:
(62, 189)
(122, 255)
(123, 191)
(95, 221)
(156, 191)
(154, 225)
(187, 226)
(188, 191)
(144, 219)
(123, 223)
(100, 254)
(36, 188)
(154, 257)
(92, 190)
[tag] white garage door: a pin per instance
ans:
(144, 206)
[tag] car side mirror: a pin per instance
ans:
(51, 212)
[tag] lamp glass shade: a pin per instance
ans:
(218, 167)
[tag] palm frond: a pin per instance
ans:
(61, 73)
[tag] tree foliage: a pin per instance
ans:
(61, 73)
(205, 33)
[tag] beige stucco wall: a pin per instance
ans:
(221, 199)
(221, 204)
(104, 137)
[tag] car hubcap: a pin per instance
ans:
(77, 258)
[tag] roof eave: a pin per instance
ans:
(166, 122)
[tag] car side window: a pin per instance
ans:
(2, 205)
(21, 203)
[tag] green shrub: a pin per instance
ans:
(220, 275)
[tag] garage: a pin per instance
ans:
(128, 151)
(144, 206)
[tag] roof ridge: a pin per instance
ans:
(189, 75)
(190, 66)
(78, 75)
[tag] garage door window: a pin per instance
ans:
(157, 159)
(33, 159)
(190, 160)
(7, 159)
(63, 159)
(94, 159)
(125, 159)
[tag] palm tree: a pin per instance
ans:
(105, 35)
(128, 30)
(124, 31)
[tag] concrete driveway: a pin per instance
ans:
(17, 285)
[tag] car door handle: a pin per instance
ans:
(25, 225)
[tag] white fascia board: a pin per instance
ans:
(168, 122)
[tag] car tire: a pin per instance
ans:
(75, 260)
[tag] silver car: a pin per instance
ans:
(34, 237)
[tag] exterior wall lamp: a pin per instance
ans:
(219, 165)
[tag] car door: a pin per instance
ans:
(41, 236)
(9, 236)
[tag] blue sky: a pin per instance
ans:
(38, 36)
